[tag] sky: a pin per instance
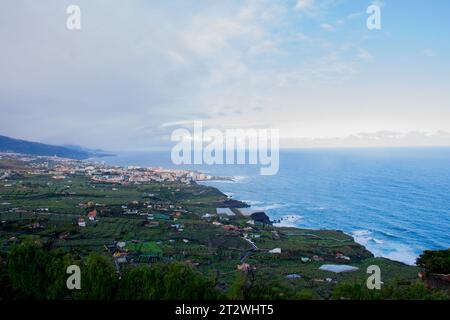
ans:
(137, 70)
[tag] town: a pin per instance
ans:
(59, 168)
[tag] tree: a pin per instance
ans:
(34, 273)
(240, 287)
(98, 279)
(414, 291)
(5, 283)
(175, 281)
(182, 282)
(355, 291)
(435, 261)
(139, 283)
(251, 286)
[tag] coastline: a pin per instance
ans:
(289, 222)
(159, 212)
(388, 231)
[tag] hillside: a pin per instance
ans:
(8, 144)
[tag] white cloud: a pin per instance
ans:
(354, 15)
(363, 54)
(429, 53)
(327, 27)
(300, 36)
(304, 5)
(374, 139)
(378, 3)
(117, 84)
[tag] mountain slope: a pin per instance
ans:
(93, 152)
(8, 144)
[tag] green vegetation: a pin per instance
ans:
(435, 261)
(152, 241)
(167, 282)
(33, 273)
(399, 291)
(36, 273)
(145, 247)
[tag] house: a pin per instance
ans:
(293, 276)
(317, 258)
(121, 244)
(120, 257)
(341, 256)
(81, 222)
(305, 259)
(275, 250)
(92, 215)
(243, 267)
(14, 239)
(178, 226)
(231, 228)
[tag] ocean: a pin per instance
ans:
(394, 201)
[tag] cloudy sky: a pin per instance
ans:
(138, 69)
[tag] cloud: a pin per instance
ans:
(373, 139)
(378, 3)
(363, 54)
(304, 5)
(429, 53)
(354, 15)
(136, 70)
(327, 27)
(313, 8)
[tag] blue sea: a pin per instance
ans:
(396, 202)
